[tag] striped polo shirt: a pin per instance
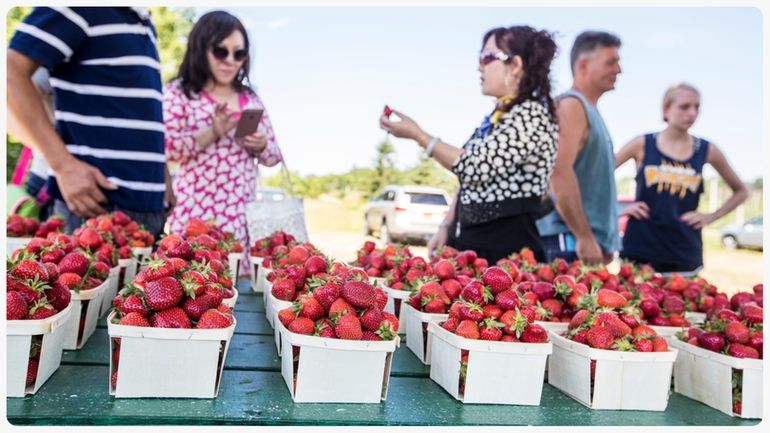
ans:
(105, 76)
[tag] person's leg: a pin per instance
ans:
(71, 221)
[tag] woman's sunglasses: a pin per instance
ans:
(487, 57)
(221, 53)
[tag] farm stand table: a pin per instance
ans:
(254, 393)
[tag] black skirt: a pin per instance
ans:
(499, 238)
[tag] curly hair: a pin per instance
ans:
(537, 50)
(211, 29)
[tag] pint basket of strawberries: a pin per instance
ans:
(37, 312)
(338, 343)
(20, 230)
(720, 363)
(172, 310)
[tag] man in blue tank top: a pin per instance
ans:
(584, 222)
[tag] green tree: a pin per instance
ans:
(172, 26)
(384, 170)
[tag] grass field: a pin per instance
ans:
(336, 226)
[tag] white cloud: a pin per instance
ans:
(279, 22)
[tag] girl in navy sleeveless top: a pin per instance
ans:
(664, 228)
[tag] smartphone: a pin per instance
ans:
(248, 122)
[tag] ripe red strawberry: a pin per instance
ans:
(476, 292)
(610, 320)
(15, 307)
(171, 318)
(644, 331)
(508, 300)
(391, 320)
(89, 239)
(308, 306)
(492, 311)
(756, 341)
(371, 318)
(659, 344)
(163, 293)
(600, 337)
(468, 329)
(534, 333)
(544, 290)
(644, 345)
(380, 298)
(42, 309)
(432, 305)
(752, 314)
(195, 307)
(649, 307)
(490, 330)
(348, 327)
(452, 288)
(59, 296)
(742, 351)
(286, 316)
(370, 336)
(554, 306)
(581, 336)
(32, 366)
(283, 289)
(578, 319)
(450, 324)
(610, 299)
(157, 269)
(28, 269)
(213, 319)
(341, 307)
(497, 279)
(444, 270)
(134, 319)
(327, 294)
(470, 311)
(736, 332)
(711, 341)
(359, 294)
(315, 265)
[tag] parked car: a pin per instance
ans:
(406, 211)
(747, 235)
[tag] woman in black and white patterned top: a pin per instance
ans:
(504, 167)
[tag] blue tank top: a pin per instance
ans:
(595, 171)
(670, 188)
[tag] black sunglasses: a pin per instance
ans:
(221, 53)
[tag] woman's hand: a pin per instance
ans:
(438, 240)
(404, 128)
(638, 210)
(255, 143)
(696, 220)
(222, 121)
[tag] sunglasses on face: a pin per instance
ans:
(487, 57)
(221, 53)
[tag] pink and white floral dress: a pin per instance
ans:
(216, 182)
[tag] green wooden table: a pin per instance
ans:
(254, 393)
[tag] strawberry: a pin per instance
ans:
(644, 345)
(490, 330)
(534, 333)
(89, 239)
(711, 341)
(470, 311)
(27, 269)
(32, 290)
(286, 316)
(15, 306)
(756, 341)
(752, 314)
(315, 265)
(578, 319)
(742, 351)
(32, 366)
(371, 318)
(444, 270)
(157, 269)
(298, 255)
(134, 303)
(213, 319)
(195, 307)
(476, 293)
(468, 329)
(370, 336)
(610, 299)
(283, 289)
(390, 320)
(659, 344)
(432, 305)
(327, 294)
(611, 321)
(163, 293)
(324, 328)
(359, 294)
(492, 311)
(554, 306)
(308, 306)
(497, 279)
(134, 319)
(171, 318)
(644, 331)
(59, 296)
(649, 307)
(340, 307)
(736, 332)
(450, 324)
(508, 300)
(348, 327)
(380, 298)
(42, 309)
(543, 290)
(600, 337)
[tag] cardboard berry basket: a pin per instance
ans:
(486, 360)
(558, 327)
(141, 254)
(707, 376)
(695, 317)
(230, 302)
(417, 335)
(85, 313)
(623, 380)
(13, 244)
(329, 370)
(110, 291)
(234, 261)
(149, 360)
(127, 271)
(257, 274)
(396, 301)
(668, 331)
(18, 341)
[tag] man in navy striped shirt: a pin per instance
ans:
(106, 151)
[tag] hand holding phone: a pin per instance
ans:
(248, 122)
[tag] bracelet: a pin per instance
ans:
(431, 143)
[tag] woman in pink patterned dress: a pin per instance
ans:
(217, 172)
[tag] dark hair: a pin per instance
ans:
(211, 29)
(537, 50)
(589, 41)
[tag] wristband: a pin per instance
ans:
(431, 143)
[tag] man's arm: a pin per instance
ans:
(573, 127)
(79, 182)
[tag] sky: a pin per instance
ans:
(325, 73)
